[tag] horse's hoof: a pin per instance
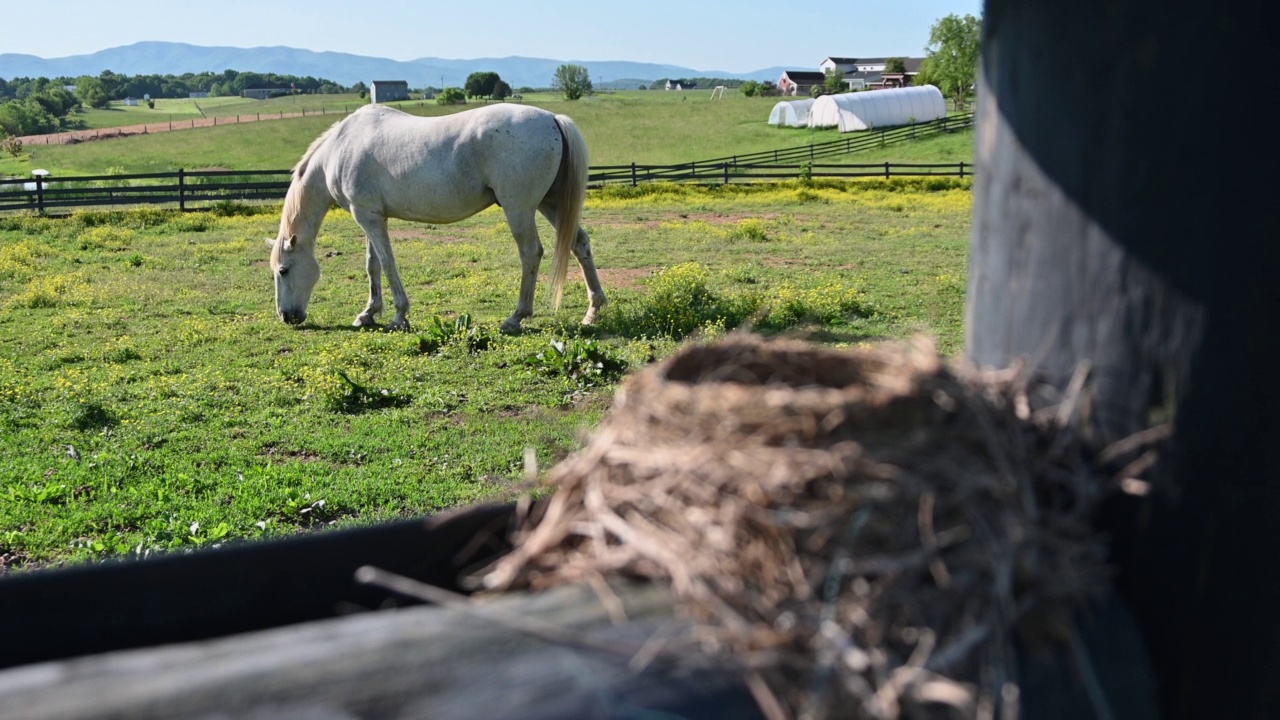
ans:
(509, 328)
(398, 326)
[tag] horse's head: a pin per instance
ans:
(296, 271)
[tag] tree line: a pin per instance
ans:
(34, 106)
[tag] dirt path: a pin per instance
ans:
(78, 136)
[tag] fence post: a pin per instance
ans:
(182, 186)
(633, 174)
(40, 194)
(726, 173)
(962, 169)
(886, 170)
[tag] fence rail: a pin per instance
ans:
(201, 189)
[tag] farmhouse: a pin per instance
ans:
(857, 74)
(383, 91)
(681, 84)
(260, 93)
(800, 82)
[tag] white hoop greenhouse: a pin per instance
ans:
(793, 113)
(878, 108)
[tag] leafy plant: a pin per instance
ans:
(296, 506)
(581, 360)
(48, 494)
(440, 334)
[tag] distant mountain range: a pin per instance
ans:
(167, 58)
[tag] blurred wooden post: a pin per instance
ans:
(1106, 231)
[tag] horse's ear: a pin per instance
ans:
(289, 243)
(271, 242)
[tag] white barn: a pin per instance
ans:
(791, 113)
(384, 91)
(878, 108)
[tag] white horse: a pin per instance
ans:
(381, 163)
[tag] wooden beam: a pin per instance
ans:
(428, 662)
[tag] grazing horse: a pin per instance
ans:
(381, 163)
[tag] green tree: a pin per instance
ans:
(451, 96)
(26, 117)
(895, 65)
(501, 90)
(750, 88)
(90, 92)
(834, 81)
(572, 80)
(481, 84)
(951, 62)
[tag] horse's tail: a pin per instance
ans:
(569, 201)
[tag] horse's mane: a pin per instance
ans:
(292, 199)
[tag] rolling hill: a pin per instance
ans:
(166, 58)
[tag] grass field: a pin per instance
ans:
(150, 400)
(646, 127)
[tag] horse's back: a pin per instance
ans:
(437, 168)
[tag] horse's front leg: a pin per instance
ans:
(525, 230)
(374, 270)
(379, 245)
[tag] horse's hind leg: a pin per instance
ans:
(374, 270)
(582, 251)
(525, 230)
(379, 250)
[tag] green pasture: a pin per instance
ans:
(646, 127)
(151, 401)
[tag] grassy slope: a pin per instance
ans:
(148, 343)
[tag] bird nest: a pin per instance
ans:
(868, 532)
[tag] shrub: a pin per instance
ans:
(451, 96)
(679, 303)
(827, 304)
(11, 145)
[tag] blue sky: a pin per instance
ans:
(730, 35)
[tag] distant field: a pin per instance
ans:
(647, 127)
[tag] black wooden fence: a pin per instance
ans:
(795, 161)
(202, 189)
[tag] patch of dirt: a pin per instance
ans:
(614, 278)
(421, 234)
(276, 453)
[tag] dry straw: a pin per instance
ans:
(865, 533)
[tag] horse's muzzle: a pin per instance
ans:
(293, 317)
